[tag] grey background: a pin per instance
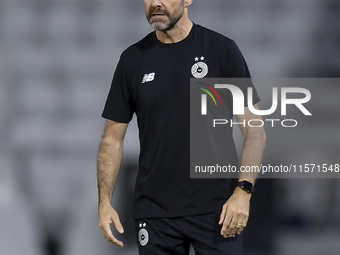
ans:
(56, 64)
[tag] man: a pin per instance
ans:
(152, 80)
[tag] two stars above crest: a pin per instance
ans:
(197, 58)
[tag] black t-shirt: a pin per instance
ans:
(152, 80)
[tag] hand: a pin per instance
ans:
(107, 216)
(235, 213)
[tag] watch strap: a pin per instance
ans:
(246, 186)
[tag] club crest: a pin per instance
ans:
(199, 69)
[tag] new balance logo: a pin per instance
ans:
(148, 77)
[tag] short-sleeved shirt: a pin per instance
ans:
(152, 80)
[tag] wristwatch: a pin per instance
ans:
(246, 186)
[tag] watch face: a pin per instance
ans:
(247, 186)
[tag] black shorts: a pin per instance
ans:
(173, 236)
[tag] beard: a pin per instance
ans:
(163, 23)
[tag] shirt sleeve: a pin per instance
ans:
(236, 68)
(119, 105)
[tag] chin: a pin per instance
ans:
(160, 26)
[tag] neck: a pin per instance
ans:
(178, 32)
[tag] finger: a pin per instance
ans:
(244, 224)
(228, 236)
(226, 223)
(118, 224)
(107, 232)
(114, 240)
(222, 216)
(109, 236)
(233, 222)
(231, 229)
(238, 228)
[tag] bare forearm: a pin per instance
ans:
(253, 149)
(109, 161)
